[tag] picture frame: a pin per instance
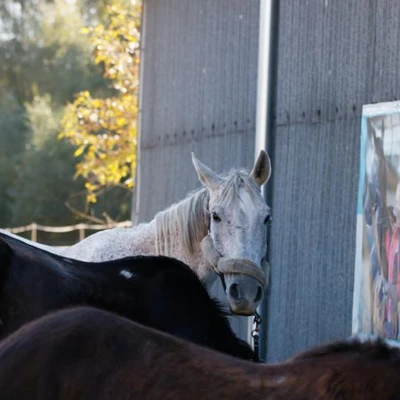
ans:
(376, 301)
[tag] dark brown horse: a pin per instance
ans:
(85, 353)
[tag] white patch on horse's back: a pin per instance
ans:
(126, 274)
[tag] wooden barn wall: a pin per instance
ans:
(198, 94)
(332, 57)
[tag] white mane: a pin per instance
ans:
(186, 223)
(189, 218)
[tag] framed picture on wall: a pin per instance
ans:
(376, 303)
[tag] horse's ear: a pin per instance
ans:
(261, 171)
(206, 175)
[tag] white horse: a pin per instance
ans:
(219, 229)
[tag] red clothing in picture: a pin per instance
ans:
(393, 260)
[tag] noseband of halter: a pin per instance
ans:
(225, 265)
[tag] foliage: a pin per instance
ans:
(45, 190)
(42, 119)
(52, 58)
(103, 130)
(44, 61)
(13, 134)
(44, 185)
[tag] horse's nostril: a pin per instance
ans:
(234, 291)
(259, 294)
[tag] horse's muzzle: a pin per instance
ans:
(245, 284)
(245, 280)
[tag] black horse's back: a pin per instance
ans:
(170, 297)
(157, 291)
(188, 300)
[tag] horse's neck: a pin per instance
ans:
(194, 259)
(141, 240)
(145, 244)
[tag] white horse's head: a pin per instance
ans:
(238, 216)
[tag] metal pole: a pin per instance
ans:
(265, 89)
(136, 190)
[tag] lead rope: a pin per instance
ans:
(256, 336)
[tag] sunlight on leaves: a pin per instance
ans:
(104, 130)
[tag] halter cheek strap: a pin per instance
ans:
(212, 256)
(210, 253)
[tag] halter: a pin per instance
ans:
(225, 265)
(221, 278)
(221, 265)
(212, 256)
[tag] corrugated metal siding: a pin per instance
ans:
(333, 56)
(198, 94)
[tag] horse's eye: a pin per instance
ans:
(216, 217)
(267, 219)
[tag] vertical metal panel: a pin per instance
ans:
(333, 56)
(313, 242)
(198, 94)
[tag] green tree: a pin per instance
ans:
(44, 186)
(44, 61)
(103, 130)
(13, 133)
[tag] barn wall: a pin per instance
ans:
(333, 57)
(198, 94)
